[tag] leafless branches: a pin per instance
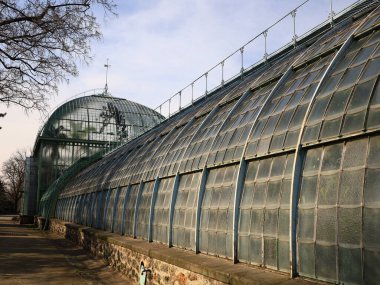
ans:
(13, 174)
(41, 42)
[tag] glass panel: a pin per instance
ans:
(328, 189)
(313, 159)
(350, 220)
(338, 102)
(325, 264)
(355, 154)
(308, 190)
(264, 215)
(361, 95)
(351, 76)
(353, 122)
(331, 128)
(352, 187)
(371, 227)
(216, 217)
(371, 191)
(306, 224)
(306, 261)
(371, 69)
(332, 157)
(371, 267)
(350, 265)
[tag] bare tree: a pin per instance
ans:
(1, 116)
(41, 42)
(13, 174)
(6, 206)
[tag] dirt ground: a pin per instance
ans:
(30, 256)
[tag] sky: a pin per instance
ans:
(157, 47)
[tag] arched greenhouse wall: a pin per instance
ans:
(279, 170)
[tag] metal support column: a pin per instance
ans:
(151, 210)
(171, 209)
(202, 188)
(238, 191)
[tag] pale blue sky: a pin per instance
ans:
(156, 47)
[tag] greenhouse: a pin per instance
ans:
(278, 169)
(80, 128)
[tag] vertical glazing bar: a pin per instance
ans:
(171, 209)
(141, 187)
(202, 188)
(294, 13)
(222, 64)
(151, 211)
(160, 109)
(238, 191)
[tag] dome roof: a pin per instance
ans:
(99, 118)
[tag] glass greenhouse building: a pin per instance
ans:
(279, 169)
(81, 128)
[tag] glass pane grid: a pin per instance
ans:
(217, 212)
(143, 211)
(160, 231)
(118, 226)
(184, 217)
(199, 148)
(340, 106)
(264, 213)
(278, 125)
(130, 209)
(333, 220)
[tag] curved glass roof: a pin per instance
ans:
(100, 118)
(279, 169)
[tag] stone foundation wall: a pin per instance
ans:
(126, 260)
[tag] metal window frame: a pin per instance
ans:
(300, 151)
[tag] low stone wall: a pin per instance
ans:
(125, 260)
(167, 265)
